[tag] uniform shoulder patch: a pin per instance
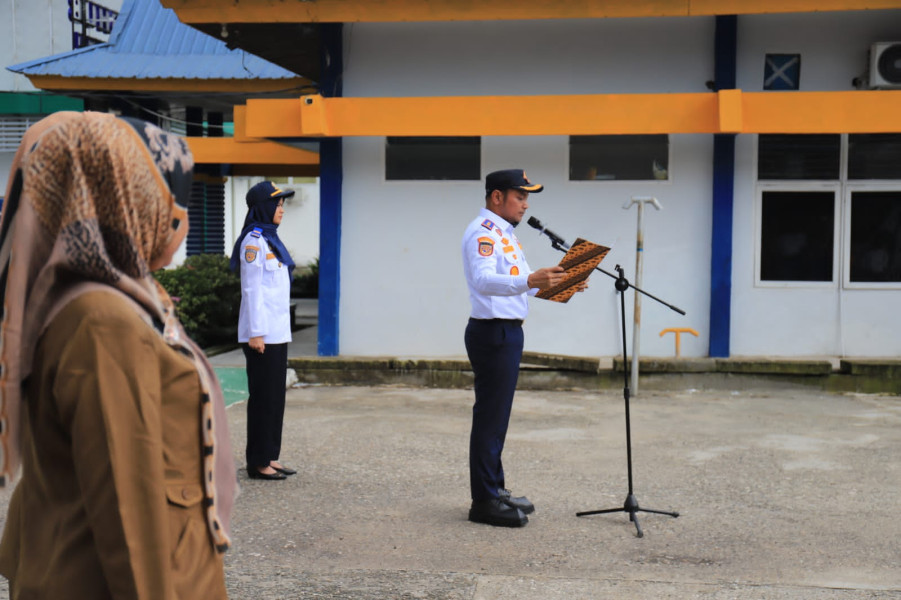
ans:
(256, 232)
(486, 246)
(487, 224)
(250, 253)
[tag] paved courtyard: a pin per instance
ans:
(782, 494)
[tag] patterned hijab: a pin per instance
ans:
(92, 202)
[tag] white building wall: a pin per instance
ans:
(402, 286)
(32, 29)
(818, 319)
(29, 30)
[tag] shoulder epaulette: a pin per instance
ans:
(487, 224)
(256, 232)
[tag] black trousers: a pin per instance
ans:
(495, 348)
(266, 374)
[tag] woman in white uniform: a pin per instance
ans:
(264, 326)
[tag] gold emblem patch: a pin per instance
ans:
(250, 253)
(486, 246)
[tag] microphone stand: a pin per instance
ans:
(621, 284)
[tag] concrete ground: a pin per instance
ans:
(781, 494)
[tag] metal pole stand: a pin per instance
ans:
(639, 259)
(631, 504)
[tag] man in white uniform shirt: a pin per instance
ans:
(499, 280)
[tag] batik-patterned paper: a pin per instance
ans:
(580, 260)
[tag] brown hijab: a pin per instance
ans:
(93, 201)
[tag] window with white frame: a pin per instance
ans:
(797, 235)
(798, 157)
(618, 157)
(875, 237)
(874, 156)
(828, 201)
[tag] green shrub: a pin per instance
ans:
(207, 297)
(306, 281)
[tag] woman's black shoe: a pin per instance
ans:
(254, 473)
(285, 470)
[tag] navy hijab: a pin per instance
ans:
(262, 202)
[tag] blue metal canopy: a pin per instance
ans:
(149, 42)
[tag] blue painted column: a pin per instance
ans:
(725, 48)
(330, 180)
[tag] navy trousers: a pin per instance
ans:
(266, 374)
(495, 348)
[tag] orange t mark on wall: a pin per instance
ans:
(678, 331)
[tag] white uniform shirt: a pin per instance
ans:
(265, 293)
(496, 269)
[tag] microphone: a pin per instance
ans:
(555, 239)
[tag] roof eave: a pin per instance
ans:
(59, 83)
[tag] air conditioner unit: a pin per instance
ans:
(885, 65)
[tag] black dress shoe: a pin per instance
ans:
(255, 473)
(520, 502)
(495, 512)
(285, 470)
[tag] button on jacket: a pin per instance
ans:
(496, 269)
(265, 293)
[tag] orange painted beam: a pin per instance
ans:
(483, 115)
(270, 171)
(729, 111)
(362, 11)
(212, 150)
(242, 86)
(248, 154)
(822, 112)
(746, 7)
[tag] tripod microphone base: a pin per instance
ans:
(629, 506)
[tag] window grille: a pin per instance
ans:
(206, 219)
(433, 158)
(618, 157)
(12, 128)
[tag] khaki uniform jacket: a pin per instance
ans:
(109, 504)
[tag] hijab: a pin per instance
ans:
(95, 200)
(260, 212)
